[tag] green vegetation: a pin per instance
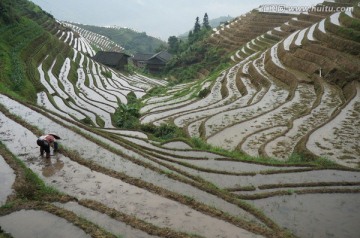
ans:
(107, 74)
(132, 41)
(127, 117)
(195, 58)
(203, 93)
(24, 42)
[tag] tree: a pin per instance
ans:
(206, 24)
(173, 43)
(197, 26)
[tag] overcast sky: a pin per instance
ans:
(158, 18)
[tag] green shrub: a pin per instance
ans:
(204, 92)
(107, 74)
(163, 132)
(127, 116)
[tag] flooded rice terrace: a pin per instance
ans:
(273, 102)
(79, 181)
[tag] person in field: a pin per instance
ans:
(45, 142)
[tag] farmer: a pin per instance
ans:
(45, 141)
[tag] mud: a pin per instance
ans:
(30, 223)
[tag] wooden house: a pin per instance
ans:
(115, 60)
(153, 62)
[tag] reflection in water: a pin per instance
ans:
(7, 179)
(49, 168)
(30, 223)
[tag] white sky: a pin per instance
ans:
(158, 18)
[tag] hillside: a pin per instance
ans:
(267, 147)
(132, 41)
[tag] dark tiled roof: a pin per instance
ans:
(109, 58)
(142, 57)
(163, 56)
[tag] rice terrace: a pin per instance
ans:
(251, 129)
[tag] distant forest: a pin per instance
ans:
(132, 41)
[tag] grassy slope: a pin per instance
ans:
(23, 41)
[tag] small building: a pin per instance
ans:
(153, 62)
(140, 60)
(115, 60)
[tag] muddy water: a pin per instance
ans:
(30, 223)
(91, 151)
(178, 145)
(194, 128)
(43, 100)
(310, 35)
(315, 215)
(190, 154)
(273, 97)
(253, 143)
(283, 147)
(136, 134)
(60, 103)
(7, 179)
(113, 226)
(108, 96)
(212, 98)
(230, 137)
(168, 104)
(69, 88)
(55, 84)
(43, 80)
(231, 181)
(231, 166)
(83, 183)
(90, 93)
(338, 140)
(287, 42)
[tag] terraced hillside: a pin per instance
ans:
(97, 41)
(110, 182)
(278, 101)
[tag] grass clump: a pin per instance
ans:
(106, 74)
(297, 158)
(127, 116)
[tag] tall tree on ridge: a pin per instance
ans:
(197, 26)
(206, 24)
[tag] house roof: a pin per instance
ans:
(163, 56)
(142, 57)
(109, 58)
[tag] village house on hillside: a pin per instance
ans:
(153, 62)
(114, 60)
